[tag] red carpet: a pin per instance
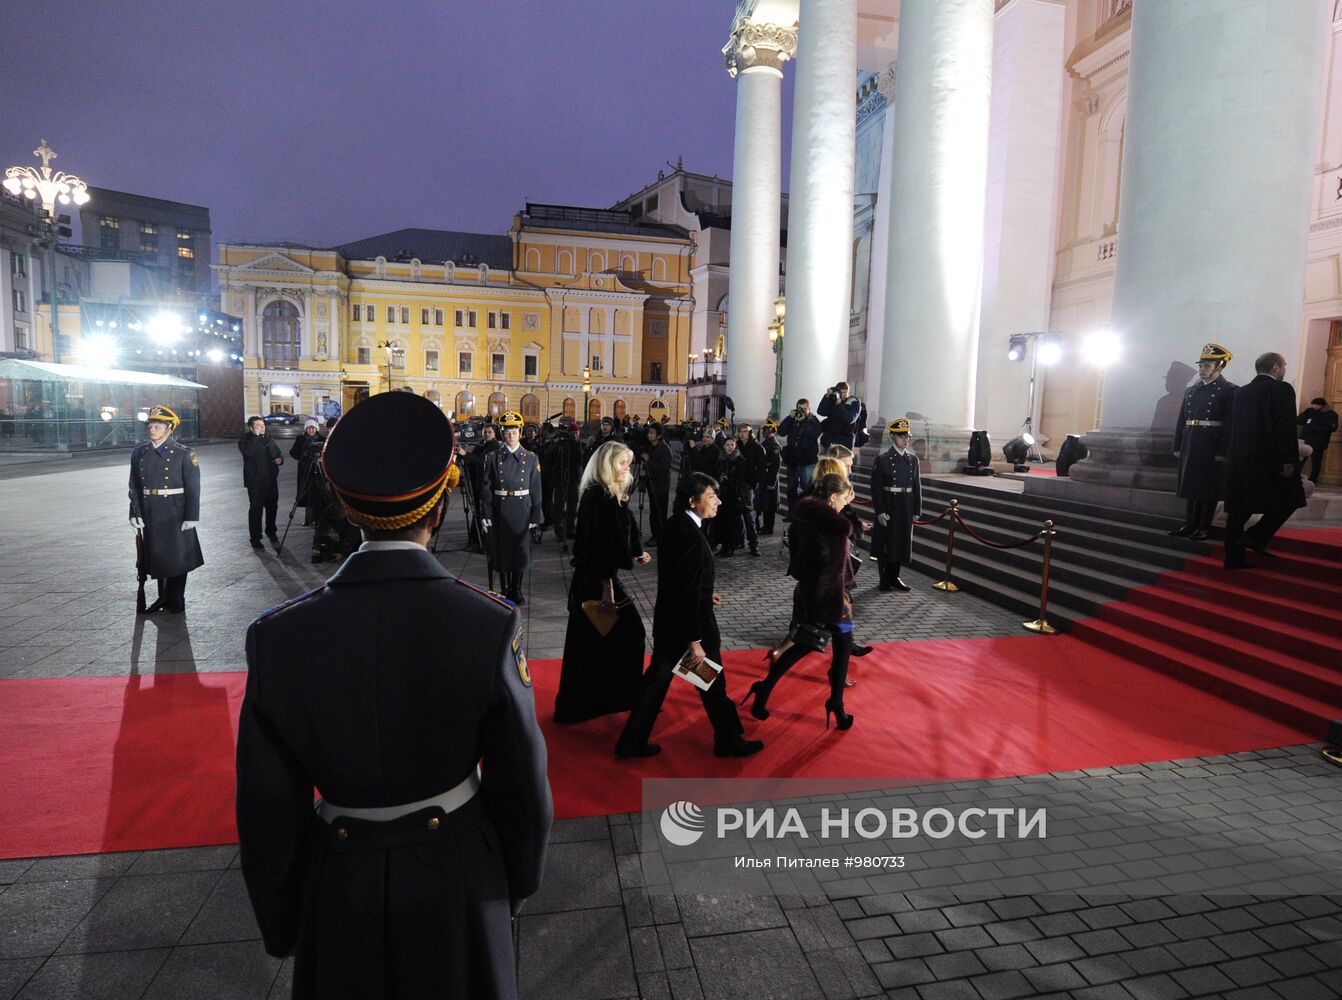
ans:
(115, 764)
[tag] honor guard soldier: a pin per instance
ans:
(402, 694)
(165, 507)
(897, 496)
(512, 501)
(1200, 440)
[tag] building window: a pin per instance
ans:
(497, 365)
(148, 237)
(18, 264)
(356, 312)
(498, 403)
(492, 318)
(471, 317)
(369, 314)
(186, 237)
(655, 372)
(391, 314)
(20, 338)
(186, 253)
(280, 335)
(463, 362)
(398, 357)
(619, 410)
(570, 407)
(503, 321)
(20, 301)
(423, 316)
(465, 404)
(437, 317)
(650, 205)
(109, 233)
(530, 366)
(405, 315)
(596, 363)
(430, 361)
(531, 408)
(459, 315)
(363, 355)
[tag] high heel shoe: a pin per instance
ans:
(841, 721)
(771, 657)
(756, 709)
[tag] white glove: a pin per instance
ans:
(137, 523)
(531, 526)
(188, 525)
(487, 523)
(882, 519)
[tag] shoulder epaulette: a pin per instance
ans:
(289, 603)
(486, 593)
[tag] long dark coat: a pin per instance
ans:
(601, 674)
(260, 474)
(819, 543)
(894, 541)
(1201, 476)
(383, 687)
(169, 551)
(307, 451)
(840, 425)
(510, 535)
(1262, 440)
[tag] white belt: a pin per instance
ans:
(163, 493)
(899, 489)
(449, 801)
(511, 493)
(1202, 423)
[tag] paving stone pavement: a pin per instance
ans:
(176, 923)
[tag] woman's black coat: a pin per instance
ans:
(819, 545)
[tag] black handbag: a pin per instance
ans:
(814, 638)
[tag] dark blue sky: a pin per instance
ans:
(326, 122)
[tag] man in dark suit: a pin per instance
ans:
(261, 461)
(1317, 426)
(1264, 459)
(657, 460)
(767, 491)
(384, 689)
(897, 498)
(511, 496)
(1200, 435)
(683, 620)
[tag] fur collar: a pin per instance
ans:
(818, 515)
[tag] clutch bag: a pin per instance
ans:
(808, 636)
(603, 621)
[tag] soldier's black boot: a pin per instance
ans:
(1190, 524)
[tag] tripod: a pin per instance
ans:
(304, 482)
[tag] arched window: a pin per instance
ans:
(533, 259)
(280, 335)
(618, 410)
(658, 269)
(656, 410)
(465, 405)
(531, 408)
(627, 265)
(570, 407)
(498, 402)
(565, 262)
(598, 263)
(594, 409)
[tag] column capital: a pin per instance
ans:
(753, 43)
(885, 83)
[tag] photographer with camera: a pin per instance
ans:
(843, 417)
(307, 450)
(802, 430)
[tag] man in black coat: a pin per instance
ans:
(1317, 426)
(683, 623)
(752, 458)
(261, 461)
(384, 689)
(657, 461)
(1264, 460)
(897, 498)
(511, 495)
(842, 414)
(802, 430)
(1200, 436)
(767, 491)
(165, 508)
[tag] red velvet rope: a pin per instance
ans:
(993, 545)
(933, 520)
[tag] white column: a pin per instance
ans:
(880, 252)
(820, 200)
(936, 209)
(1023, 138)
(755, 55)
(1222, 128)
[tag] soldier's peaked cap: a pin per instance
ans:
(511, 419)
(897, 426)
(382, 484)
(1215, 352)
(161, 414)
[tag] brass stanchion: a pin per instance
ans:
(946, 583)
(1041, 624)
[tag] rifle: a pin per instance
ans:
(140, 571)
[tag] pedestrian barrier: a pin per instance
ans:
(1040, 624)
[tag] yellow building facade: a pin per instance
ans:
(569, 298)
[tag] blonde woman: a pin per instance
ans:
(837, 459)
(601, 674)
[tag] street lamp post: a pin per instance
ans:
(586, 395)
(776, 332)
(392, 350)
(52, 189)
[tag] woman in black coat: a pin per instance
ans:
(733, 477)
(601, 674)
(820, 562)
